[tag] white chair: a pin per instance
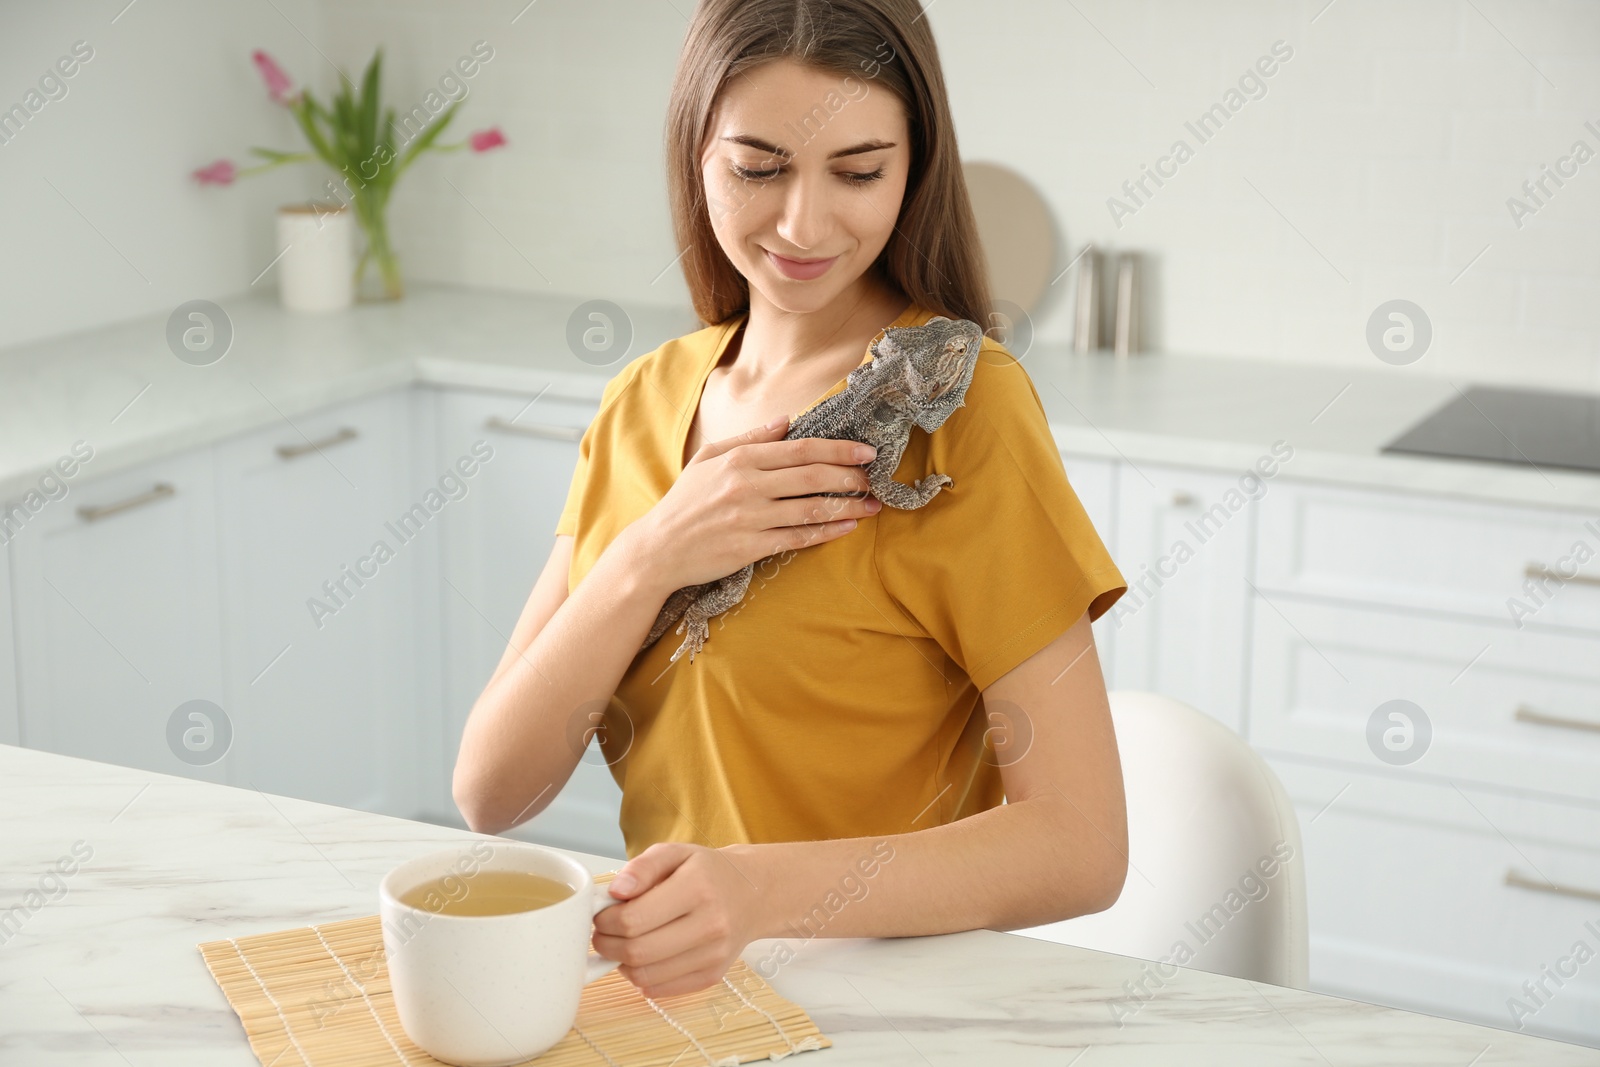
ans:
(1216, 875)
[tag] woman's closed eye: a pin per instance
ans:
(853, 177)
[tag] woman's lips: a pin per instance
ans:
(801, 269)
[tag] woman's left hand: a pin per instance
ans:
(685, 917)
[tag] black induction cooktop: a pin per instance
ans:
(1526, 427)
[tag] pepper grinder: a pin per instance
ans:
(1086, 319)
(1125, 319)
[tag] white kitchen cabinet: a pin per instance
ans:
(117, 620)
(320, 541)
(1094, 481)
(495, 543)
(1451, 839)
(1433, 554)
(10, 727)
(1489, 703)
(1442, 885)
(1369, 597)
(1450, 900)
(1183, 544)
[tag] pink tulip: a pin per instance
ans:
(278, 83)
(484, 140)
(222, 172)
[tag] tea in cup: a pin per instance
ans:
(488, 949)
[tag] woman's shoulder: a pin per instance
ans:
(1000, 394)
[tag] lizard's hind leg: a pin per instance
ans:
(719, 597)
(671, 612)
(698, 629)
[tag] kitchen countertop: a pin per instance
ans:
(122, 391)
(108, 973)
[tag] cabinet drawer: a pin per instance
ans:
(320, 545)
(1437, 900)
(1517, 708)
(117, 621)
(1432, 553)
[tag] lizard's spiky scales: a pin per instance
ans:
(917, 376)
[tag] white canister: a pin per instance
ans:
(316, 269)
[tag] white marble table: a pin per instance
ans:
(108, 972)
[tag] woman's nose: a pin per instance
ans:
(803, 221)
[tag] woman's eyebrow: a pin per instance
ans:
(853, 150)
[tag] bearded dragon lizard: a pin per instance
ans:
(918, 376)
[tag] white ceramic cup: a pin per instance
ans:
(490, 990)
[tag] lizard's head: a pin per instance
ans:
(934, 358)
(939, 358)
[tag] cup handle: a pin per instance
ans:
(599, 966)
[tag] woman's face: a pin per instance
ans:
(802, 164)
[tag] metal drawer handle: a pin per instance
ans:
(1539, 718)
(544, 430)
(96, 512)
(1539, 570)
(1517, 880)
(338, 437)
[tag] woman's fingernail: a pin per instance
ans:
(874, 504)
(625, 883)
(865, 452)
(781, 420)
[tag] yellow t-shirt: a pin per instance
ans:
(842, 697)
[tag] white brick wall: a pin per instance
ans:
(1390, 142)
(99, 221)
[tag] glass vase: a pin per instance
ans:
(371, 208)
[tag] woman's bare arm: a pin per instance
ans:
(567, 653)
(549, 593)
(1057, 849)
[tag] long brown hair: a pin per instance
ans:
(933, 256)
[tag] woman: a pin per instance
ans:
(834, 762)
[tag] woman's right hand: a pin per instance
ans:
(746, 498)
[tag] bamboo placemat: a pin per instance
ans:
(319, 996)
